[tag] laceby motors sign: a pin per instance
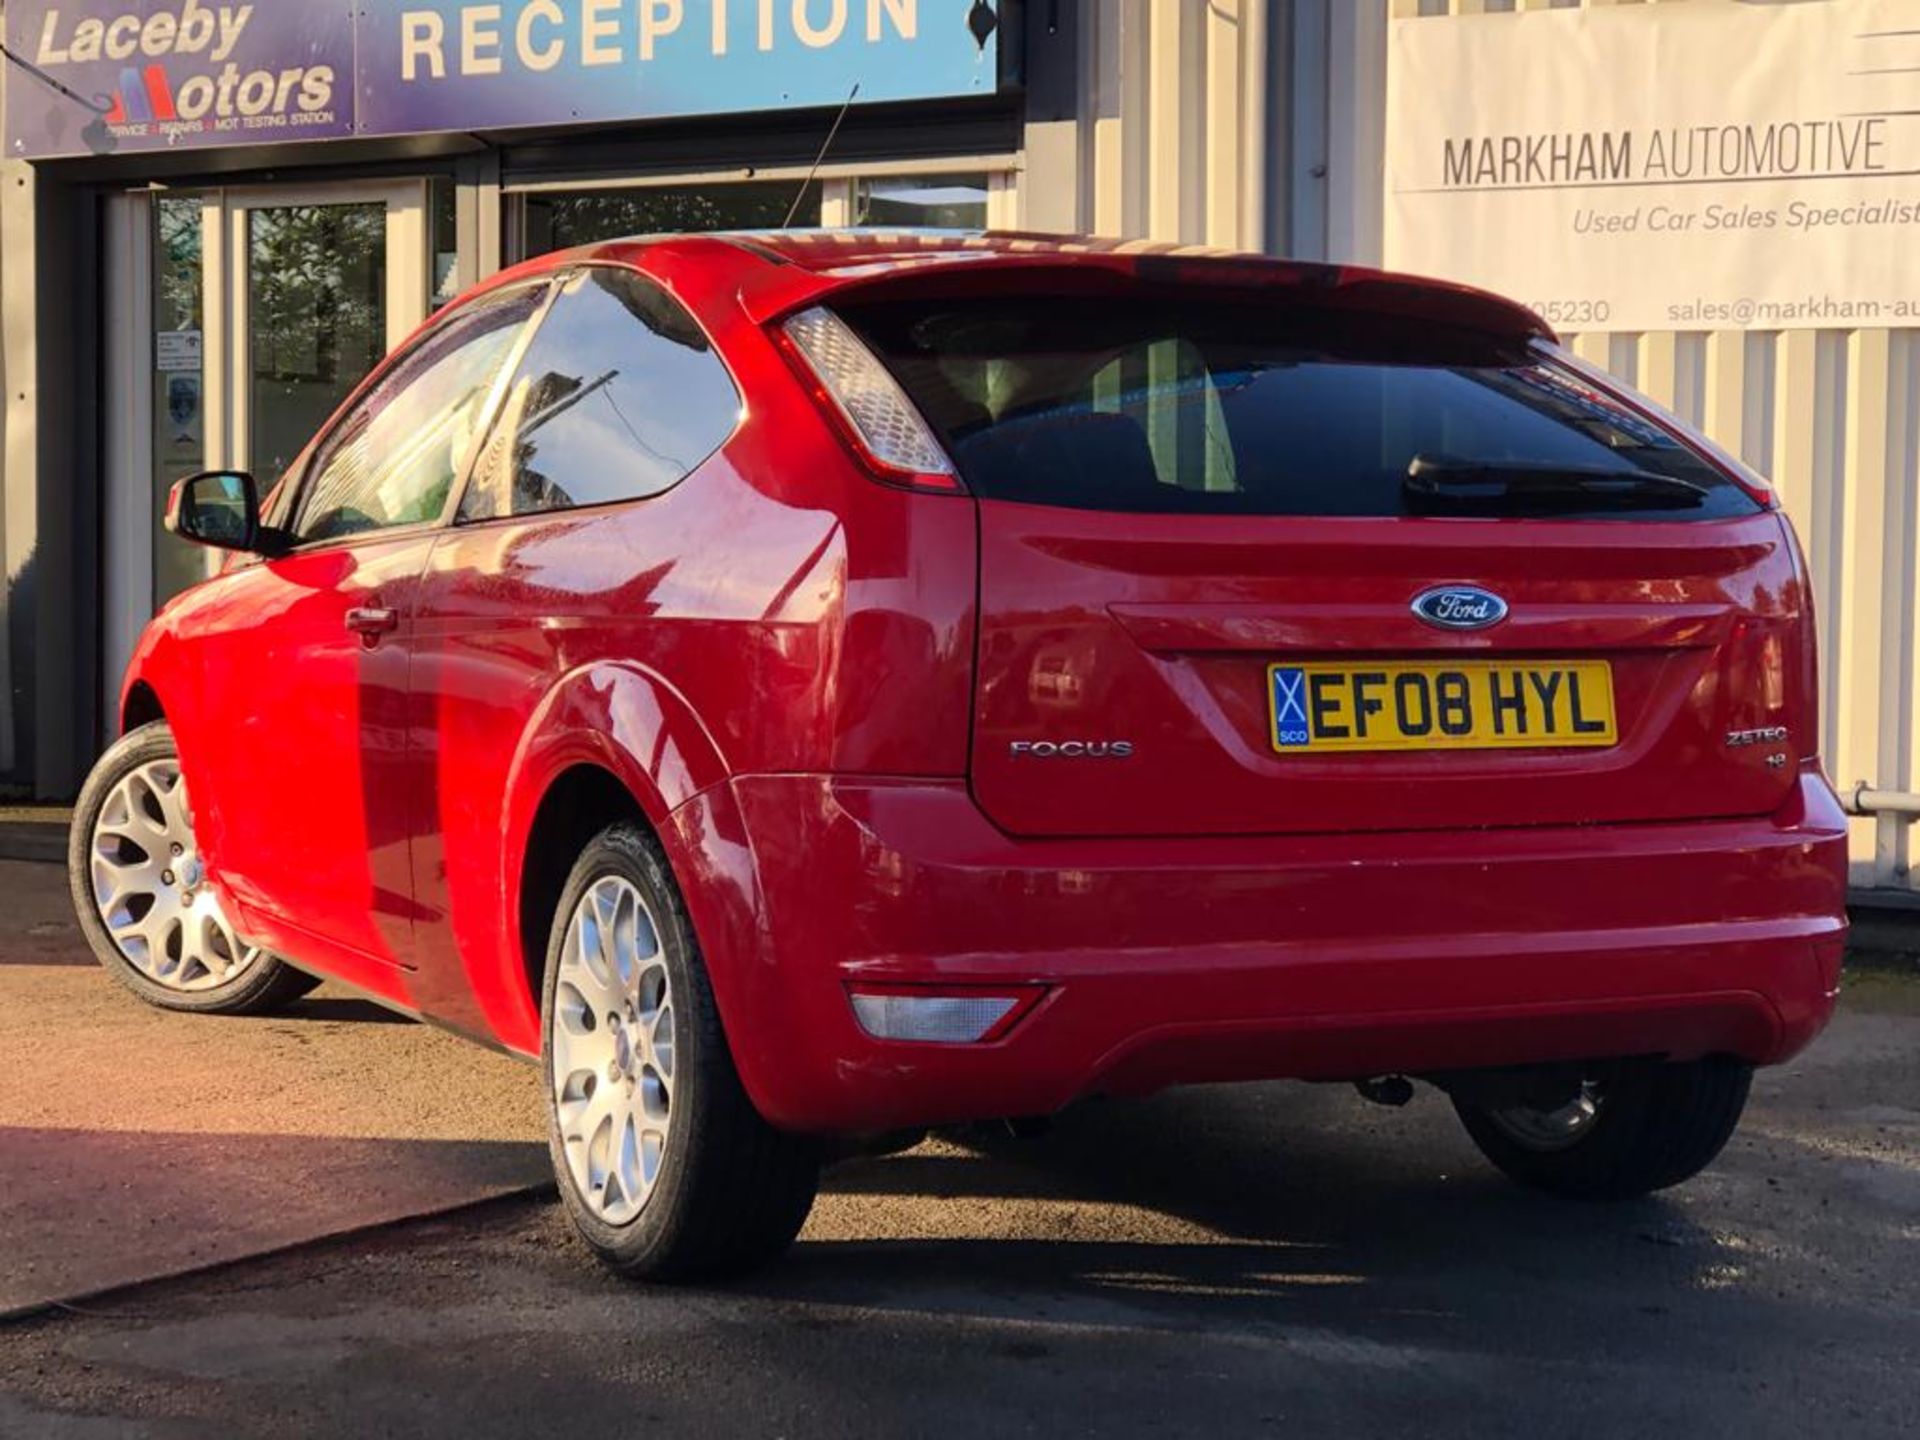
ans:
(1714, 165)
(128, 76)
(133, 75)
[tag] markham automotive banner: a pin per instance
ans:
(116, 76)
(1712, 165)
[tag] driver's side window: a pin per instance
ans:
(394, 458)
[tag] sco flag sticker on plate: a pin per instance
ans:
(1459, 705)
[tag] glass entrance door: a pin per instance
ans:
(320, 284)
(177, 406)
(314, 285)
(238, 321)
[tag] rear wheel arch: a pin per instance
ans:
(609, 740)
(579, 803)
(141, 707)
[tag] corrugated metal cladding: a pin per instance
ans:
(1236, 122)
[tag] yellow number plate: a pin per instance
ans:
(1457, 705)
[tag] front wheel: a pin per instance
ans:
(665, 1167)
(1631, 1129)
(139, 887)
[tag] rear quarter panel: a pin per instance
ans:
(776, 612)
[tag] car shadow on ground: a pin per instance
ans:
(344, 1009)
(1270, 1203)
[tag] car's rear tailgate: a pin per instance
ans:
(1125, 668)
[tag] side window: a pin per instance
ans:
(619, 397)
(393, 459)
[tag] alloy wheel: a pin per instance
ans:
(150, 886)
(1546, 1131)
(612, 1047)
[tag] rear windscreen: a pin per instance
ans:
(1212, 406)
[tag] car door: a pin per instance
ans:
(307, 698)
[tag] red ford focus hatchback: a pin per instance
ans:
(806, 688)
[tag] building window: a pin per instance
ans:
(559, 220)
(444, 219)
(947, 202)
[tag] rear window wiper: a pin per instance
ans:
(1442, 485)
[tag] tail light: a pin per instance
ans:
(1803, 661)
(865, 403)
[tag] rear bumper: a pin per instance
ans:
(1178, 961)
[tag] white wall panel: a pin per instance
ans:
(1166, 145)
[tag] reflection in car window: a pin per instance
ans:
(619, 397)
(393, 459)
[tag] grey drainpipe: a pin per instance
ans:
(1891, 811)
(1863, 799)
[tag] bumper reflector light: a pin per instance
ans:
(940, 1017)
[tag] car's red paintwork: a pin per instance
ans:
(777, 660)
(1161, 631)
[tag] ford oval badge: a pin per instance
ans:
(1459, 607)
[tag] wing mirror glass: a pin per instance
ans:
(221, 508)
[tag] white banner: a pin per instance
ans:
(1702, 166)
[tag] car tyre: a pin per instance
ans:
(1634, 1129)
(665, 1167)
(152, 928)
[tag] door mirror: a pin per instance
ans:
(220, 508)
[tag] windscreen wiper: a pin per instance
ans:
(1439, 485)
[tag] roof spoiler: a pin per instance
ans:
(959, 266)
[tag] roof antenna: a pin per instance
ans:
(794, 209)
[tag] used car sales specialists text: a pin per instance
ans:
(1797, 215)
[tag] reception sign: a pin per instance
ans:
(443, 64)
(131, 75)
(1703, 166)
